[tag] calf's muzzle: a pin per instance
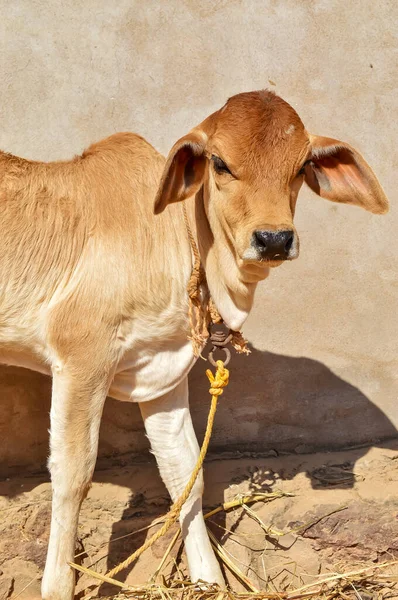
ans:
(273, 245)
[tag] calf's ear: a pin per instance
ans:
(184, 170)
(337, 172)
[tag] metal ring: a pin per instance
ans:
(219, 339)
(222, 349)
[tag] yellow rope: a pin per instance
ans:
(217, 384)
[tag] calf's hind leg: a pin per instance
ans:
(169, 428)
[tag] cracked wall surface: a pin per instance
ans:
(323, 372)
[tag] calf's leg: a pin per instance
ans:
(77, 403)
(170, 431)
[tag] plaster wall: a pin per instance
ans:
(323, 373)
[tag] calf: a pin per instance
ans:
(94, 271)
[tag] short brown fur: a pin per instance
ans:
(94, 283)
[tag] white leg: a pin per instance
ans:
(76, 411)
(169, 428)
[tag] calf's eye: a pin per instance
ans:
(302, 170)
(219, 165)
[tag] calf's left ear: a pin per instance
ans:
(337, 172)
(184, 170)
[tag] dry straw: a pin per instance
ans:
(375, 582)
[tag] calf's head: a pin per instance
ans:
(250, 159)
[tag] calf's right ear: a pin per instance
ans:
(184, 170)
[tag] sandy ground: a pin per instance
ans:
(127, 496)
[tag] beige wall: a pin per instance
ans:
(325, 328)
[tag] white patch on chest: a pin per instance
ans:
(147, 374)
(157, 357)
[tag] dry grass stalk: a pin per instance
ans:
(351, 585)
(250, 499)
(228, 563)
(166, 554)
(103, 578)
(301, 528)
(350, 575)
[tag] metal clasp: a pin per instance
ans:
(219, 340)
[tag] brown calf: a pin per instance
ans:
(94, 283)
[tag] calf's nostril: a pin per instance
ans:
(261, 238)
(289, 243)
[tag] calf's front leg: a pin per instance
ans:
(170, 431)
(76, 409)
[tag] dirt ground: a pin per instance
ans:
(360, 484)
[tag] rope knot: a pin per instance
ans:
(218, 381)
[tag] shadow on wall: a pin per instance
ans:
(287, 404)
(274, 404)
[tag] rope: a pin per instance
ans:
(200, 316)
(197, 316)
(217, 384)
